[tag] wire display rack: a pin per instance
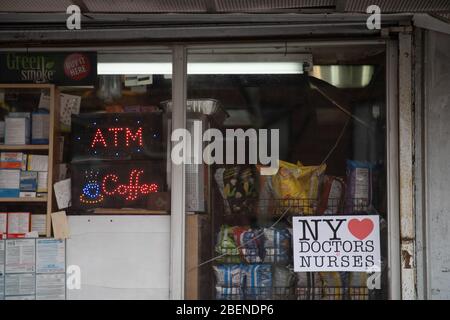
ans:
(277, 207)
(297, 293)
(257, 252)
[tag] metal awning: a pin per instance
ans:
(41, 21)
(224, 6)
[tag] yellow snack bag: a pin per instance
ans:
(300, 183)
(332, 286)
(285, 183)
(310, 179)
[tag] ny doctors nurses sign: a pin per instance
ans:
(337, 243)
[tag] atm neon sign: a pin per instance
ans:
(118, 136)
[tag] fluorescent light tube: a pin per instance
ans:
(131, 68)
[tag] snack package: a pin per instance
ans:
(265, 190)
(233, 194)
(332, 196)
(258, 281)
(333, 285)
(247, 183)
(229, 275)
(360, 293)
(286, 184)
(238, 188)
(358, 279)
(283, 277)
(359, 186)
(277, 244)
(283, 283)
(227, 246)
(249, 243)
(309, 286)
(300, 183)
(311, 177)
(224, 293)
(358, 289)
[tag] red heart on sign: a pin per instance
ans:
(360, 228)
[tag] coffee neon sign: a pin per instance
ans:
(96, 190)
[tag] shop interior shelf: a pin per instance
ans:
(30, 199)
(20, 147)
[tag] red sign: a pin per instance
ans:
(77, 66)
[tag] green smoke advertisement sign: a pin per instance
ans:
(58, 68)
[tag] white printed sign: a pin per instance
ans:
(337, 243)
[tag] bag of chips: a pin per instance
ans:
(232, 190)
(266, 203)
(299, 183)
(333, 285)
(249, 243)
(310, 179)
(228, 275)
(359, 186)
(277, 244)
(358, 289)
(224, 293)
(283, 283)
(226, 246)
(238, 188)
(309, 286)
(247, 183)
(286, 184)
(332, 196)
(258, 281)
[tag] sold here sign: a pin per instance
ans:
(337, 243)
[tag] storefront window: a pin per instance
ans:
(296, 133)
(117, 142)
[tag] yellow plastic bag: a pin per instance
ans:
(310, 178)
(300, 184)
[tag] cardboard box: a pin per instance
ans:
(42, 185)
(18, 224)
(17, 130)
(9, 183)
(27, 194)
(39, 223)
(40, 128)
(37, 162)
(28, 181)
(13, 160)
(3, 224)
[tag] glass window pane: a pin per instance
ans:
(322, 113)
(118, 142)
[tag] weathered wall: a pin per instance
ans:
(437, 165)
